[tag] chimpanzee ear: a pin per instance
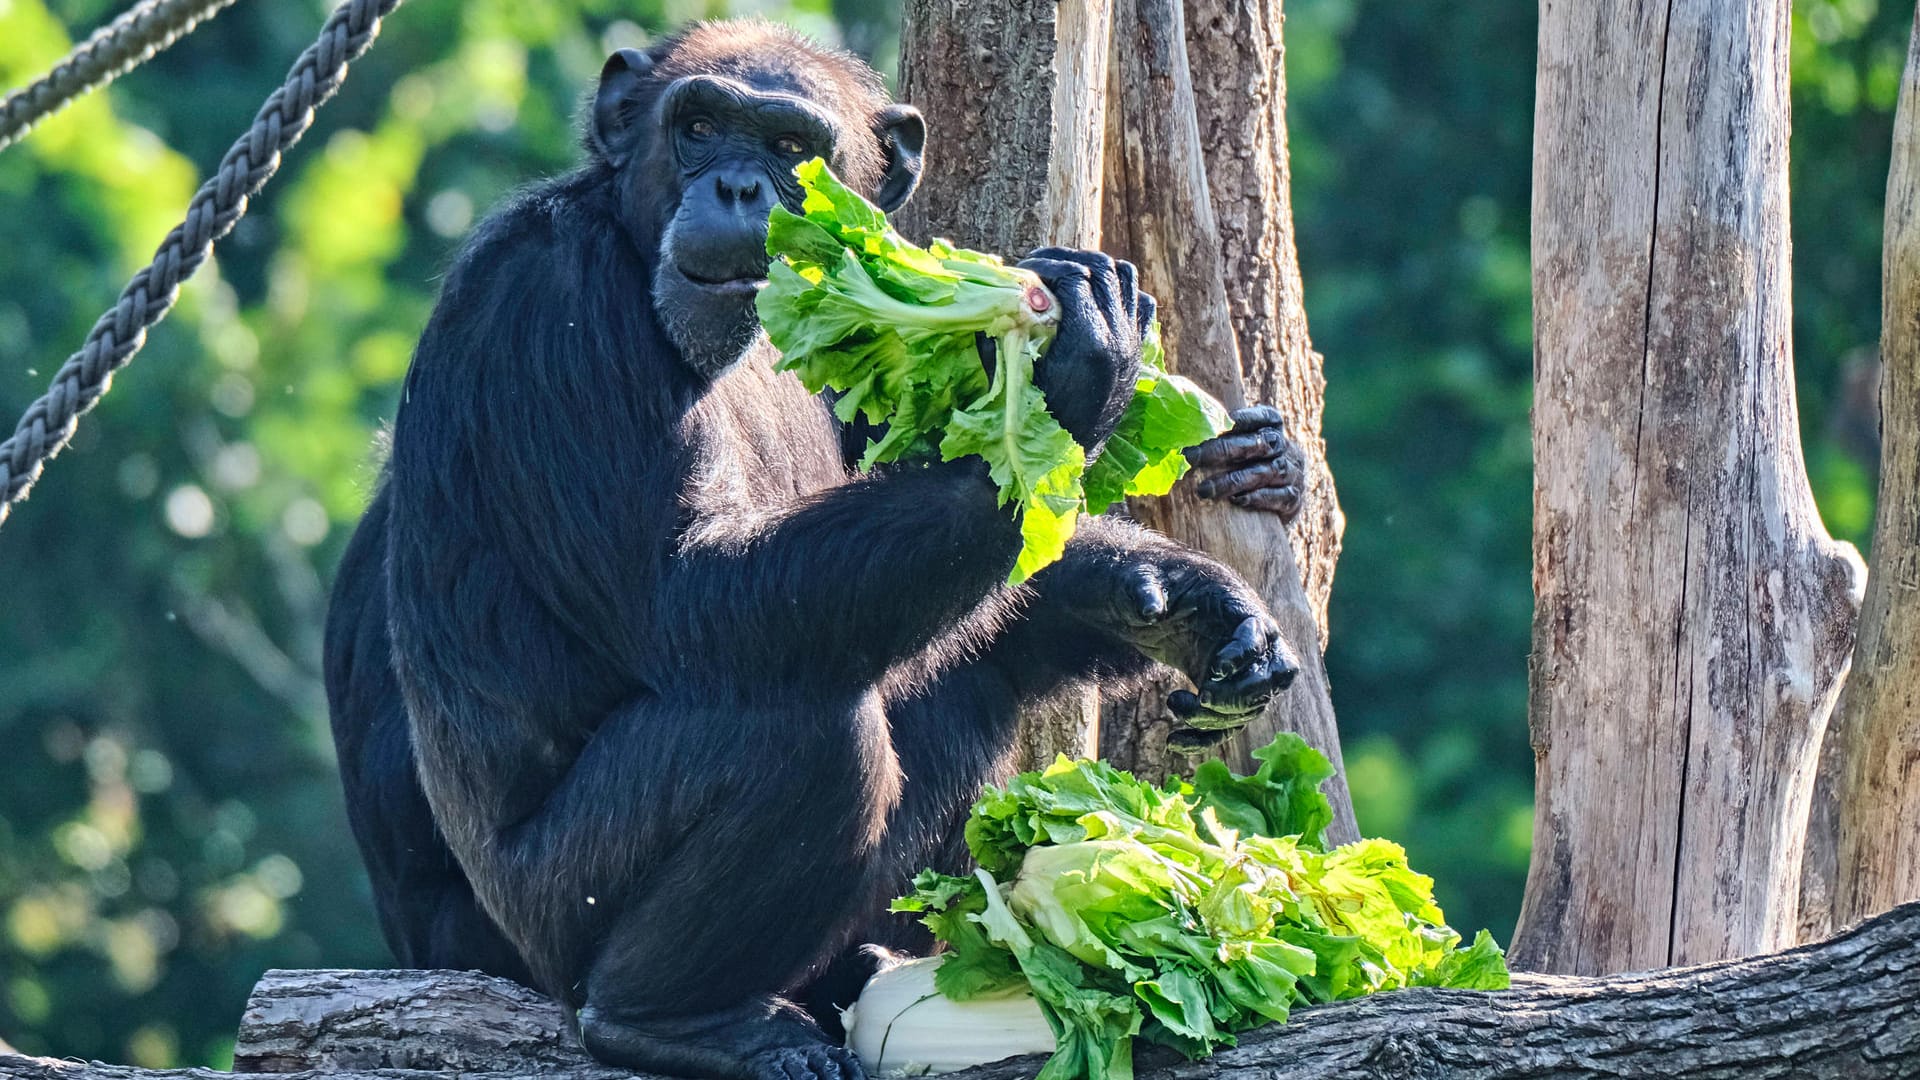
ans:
(616, 131)
(903, 134)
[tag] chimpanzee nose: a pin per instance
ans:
(738, 186)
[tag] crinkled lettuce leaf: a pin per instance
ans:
(1182, 914)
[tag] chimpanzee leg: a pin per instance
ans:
(756, 885)
(952, 735)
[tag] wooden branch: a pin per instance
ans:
(1878, 718)
(1160, 215)
(1840, 1008)
(1692, 618)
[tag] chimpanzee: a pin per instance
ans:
(641, 695)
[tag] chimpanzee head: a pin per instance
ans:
(702, 132)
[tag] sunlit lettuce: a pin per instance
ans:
(892, 328)
(1185, 914)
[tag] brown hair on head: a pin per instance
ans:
(779, 58)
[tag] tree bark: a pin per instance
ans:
(1015, 92)
(1879, 710)
(1237, 59)
(1840, 1008)
(1161, 215)
(1692, 618)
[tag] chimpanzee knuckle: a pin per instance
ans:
(1148, 594)
(1098, 261)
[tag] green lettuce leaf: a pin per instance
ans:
(1183, 914)
(890, 329)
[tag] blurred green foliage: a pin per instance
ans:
(170, 823)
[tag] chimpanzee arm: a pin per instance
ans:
(1124, 596)
(841, 587)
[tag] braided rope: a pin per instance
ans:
(112, 51)
(49, 422)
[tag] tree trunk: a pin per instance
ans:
(1693, 619)
(1015, 92)
(1238, 64)
(1841, 1008)
(1879, 710)
(1161, 214)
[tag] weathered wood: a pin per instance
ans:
(1692, 618)
(1016, 93)
(1879, 710)
(1839, 1008)
(1160, 214)
(343, 1021)
(1237, 55)
(1237, 60)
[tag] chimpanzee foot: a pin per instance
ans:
(820, 1062)
(1255, 465)
(762, 1038)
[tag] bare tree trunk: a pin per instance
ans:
(1161, 214)
(1693, 619)
(1015, 92)
(1879, 710)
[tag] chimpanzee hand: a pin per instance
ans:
(1089, 372)
(1193, 614)
(1255, 465)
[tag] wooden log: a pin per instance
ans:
(1160, 215)
(1692, 618)
(1878, 718)
(1838, 1008)
(1015, 95)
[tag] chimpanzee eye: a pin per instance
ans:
(701, 129)
(789, 146)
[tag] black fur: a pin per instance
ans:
(640, 695)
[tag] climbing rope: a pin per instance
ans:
(112, 51)
(49, 422)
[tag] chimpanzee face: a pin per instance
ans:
(703, 158)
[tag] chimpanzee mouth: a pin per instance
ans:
(744, 285)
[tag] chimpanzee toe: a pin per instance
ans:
(817, 1062)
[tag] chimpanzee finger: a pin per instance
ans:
(1102, 271)
(1255, 417)
(1276, 473)
(1070, 282)
(1148, 308)
(1097, 261)
(989, 351)
(1284, 501)
(1129, 285)
(1248, 642)
(1197, 740)
(1247, 692)
(1189, 709)
(1052, 270)
(1239, 449)
(1149, 597)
